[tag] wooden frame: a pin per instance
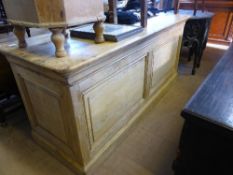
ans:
(195, 6)
(89, 115)
(113, 12)
(144, 9)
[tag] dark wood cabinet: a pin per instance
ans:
(221, 27)
(207, 137)
(221, 30)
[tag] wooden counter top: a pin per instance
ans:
(81, 53)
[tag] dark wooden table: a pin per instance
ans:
(206, 144)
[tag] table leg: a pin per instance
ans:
(58, 39)
(19, 31)
(99, 32)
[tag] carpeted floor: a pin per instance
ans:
(148, 150)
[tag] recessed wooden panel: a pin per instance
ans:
(47, 110)
(111, 102)
(164, 62)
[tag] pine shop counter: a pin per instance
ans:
(81, 106)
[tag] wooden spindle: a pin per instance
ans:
(176, 6)
(166, 5)
(112, 11)
(143, 13)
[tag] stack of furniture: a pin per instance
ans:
(207, 138)
(56, 15)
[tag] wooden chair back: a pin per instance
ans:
(113, 12)
(195, 6)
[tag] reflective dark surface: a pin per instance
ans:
(214, 99)
(207, 140)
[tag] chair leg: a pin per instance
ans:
(28, 32)
(200, 57)
(190, 54)
(194, 67)
(195, 61)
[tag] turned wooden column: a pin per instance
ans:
(144, 9)
(176, 6)
(58, 39)
(112, 11)
(19, 32)
(99, 31)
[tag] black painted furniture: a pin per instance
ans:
(206, 144)
(8, 104)
(9, 96)
(196, 35)
(4, 26)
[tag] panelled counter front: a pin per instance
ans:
(81, 106)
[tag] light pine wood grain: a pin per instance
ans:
(81, 109)
(53, 13)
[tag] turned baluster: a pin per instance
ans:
(58, 39)
(99, 32)
(19, 32)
